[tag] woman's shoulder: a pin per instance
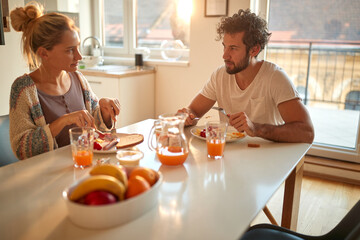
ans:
(22, 82)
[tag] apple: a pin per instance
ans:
(99, 197)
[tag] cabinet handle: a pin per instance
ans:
(97, 82)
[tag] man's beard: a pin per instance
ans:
(243, 64)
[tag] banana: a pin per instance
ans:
(99, 182)
(110, 170)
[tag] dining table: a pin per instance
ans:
(199, 199)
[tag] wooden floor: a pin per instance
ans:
(323, 203)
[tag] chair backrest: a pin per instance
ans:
(348, 227)
(6, 154)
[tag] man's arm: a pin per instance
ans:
(297, 127)
(197, 108)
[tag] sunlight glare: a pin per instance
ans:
(184, 10)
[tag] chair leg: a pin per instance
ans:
(270, 216)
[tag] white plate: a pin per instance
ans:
(112, 150)
(230, 133)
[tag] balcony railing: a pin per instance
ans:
(324, 72)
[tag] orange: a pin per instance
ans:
(136, 185)
(149, 174)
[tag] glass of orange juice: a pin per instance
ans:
(215, 139)
(82, 144)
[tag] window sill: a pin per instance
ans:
(148, 62)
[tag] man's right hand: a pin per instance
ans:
(191, 119)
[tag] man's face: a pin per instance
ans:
(235, 56)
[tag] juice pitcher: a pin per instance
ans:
(171, 145)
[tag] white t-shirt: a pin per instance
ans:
(270, 87)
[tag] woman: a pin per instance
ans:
(54, 97)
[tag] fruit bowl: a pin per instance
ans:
(110, 215)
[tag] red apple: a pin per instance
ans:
(99, 198)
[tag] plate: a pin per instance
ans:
(232, 134)
(111, 150)
(126, 140)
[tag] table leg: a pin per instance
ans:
(292, 197)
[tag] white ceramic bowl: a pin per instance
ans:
(129, 157)
(107, 216)
(92, 61)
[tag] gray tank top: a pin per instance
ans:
(54, 107)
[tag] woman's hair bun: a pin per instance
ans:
(22, 16)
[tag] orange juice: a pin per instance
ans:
(215, 148)
(83, 158)
(172, 155)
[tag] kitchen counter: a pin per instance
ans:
(116, 71)
(134, 88)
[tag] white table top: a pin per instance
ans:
(201, 199)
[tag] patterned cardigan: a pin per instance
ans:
(29, 133)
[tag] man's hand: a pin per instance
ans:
(242, 123)
(191, 119)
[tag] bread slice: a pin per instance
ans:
(129, 140)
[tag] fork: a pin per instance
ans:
(221, 110)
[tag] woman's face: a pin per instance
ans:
(65, 55)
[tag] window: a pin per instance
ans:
(133, 25)
(317, 44)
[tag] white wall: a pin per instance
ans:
(176, 86)
(12, 63)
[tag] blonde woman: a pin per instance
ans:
(47, 102)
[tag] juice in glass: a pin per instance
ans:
(215, 148)
(172, 155)
(215, 138)
(83, 158)
(82, 144)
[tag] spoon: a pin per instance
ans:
(221, 110)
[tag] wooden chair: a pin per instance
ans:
(347, 229)
(6, 154)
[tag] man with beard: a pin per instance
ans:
(258, 96)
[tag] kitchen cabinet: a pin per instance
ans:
(136, 93)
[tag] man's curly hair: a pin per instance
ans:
(254, 27)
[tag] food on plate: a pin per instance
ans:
(231, 135)
(115, 171)
(99, 198)
(121, 140)
(254, 145)
(97, 146)
(136, 186)
(111, 144)
(203, 133)
(147, 173)
(98, 182)
(129, 140)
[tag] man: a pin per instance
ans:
(258, 96)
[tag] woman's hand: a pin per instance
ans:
(81, 118)
(110, 108)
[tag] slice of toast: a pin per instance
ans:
(129, 140)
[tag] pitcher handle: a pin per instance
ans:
(151, 136)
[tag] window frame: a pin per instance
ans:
(130, 38)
